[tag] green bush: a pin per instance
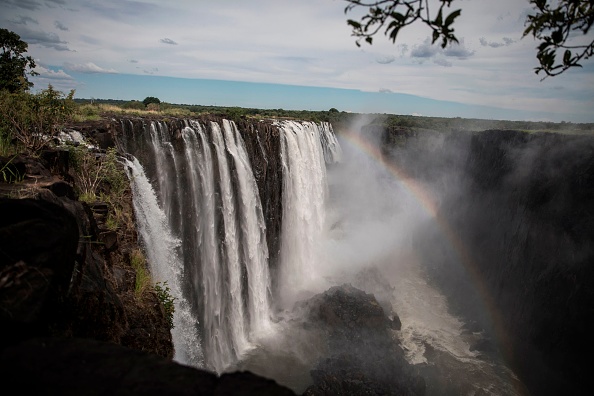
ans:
(34, 119)
(164, 295)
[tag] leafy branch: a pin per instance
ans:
(397, 14)
(556, 27)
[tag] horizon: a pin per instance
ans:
(296, 56)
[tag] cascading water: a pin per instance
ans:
(162, 250)
(304, 148)
(206, 188)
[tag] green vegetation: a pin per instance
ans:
(149, 100)
(14, 64)
(33, 119)
(143, 278)
(10, 175)
(167, 300)
(553, 23)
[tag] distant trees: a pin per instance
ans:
(555, 23)
(150, 99)
(14, 65)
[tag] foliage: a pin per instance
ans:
(143, 279)
(555, 23)
(397, 14)
(164, 295)
(150, 99)
(97, 174)
(13, 64)
(10, 174)
(34, 119)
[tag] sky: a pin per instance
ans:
(296, 55)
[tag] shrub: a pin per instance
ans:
(34, 119)
(164, 295)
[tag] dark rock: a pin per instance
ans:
(57, 160)
(61, 189)
(365, 358)
(59, 366)
(38, 243)
(109, 240)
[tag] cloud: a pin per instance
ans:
(45, 39)
(60, 26)
(458, 51)
(425, 50)
(30, 5)
(428, 50)
(168, 41)
(88, 67)
(385, 60)
(133, 61)
(52, 74)
(494, 44)
(442, 62)
(23, 20)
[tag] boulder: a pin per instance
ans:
(364, 356)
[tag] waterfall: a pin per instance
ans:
(162, 251)
(209, 199)
(304, 195)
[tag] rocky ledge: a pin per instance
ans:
(365, 357)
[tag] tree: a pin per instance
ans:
(554, 23)
(150, 99)
(13, 64)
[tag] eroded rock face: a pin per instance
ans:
(57, 268)
(364, 355)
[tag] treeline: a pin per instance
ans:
(342, 118)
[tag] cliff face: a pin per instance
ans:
(63, 272)
(523, 207)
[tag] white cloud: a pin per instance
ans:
(88, 67)
(52, 74)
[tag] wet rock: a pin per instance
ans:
(365, 358)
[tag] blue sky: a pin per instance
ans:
(294, 55)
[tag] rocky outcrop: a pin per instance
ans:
(58, 267)
(59, 366)
(364, 356)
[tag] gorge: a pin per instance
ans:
(418, 262)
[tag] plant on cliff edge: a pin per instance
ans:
(34, 119)
(164, 295)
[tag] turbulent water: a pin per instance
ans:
(344, 219)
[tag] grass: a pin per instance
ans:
(143, 278)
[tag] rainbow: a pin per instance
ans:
(428, 204)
